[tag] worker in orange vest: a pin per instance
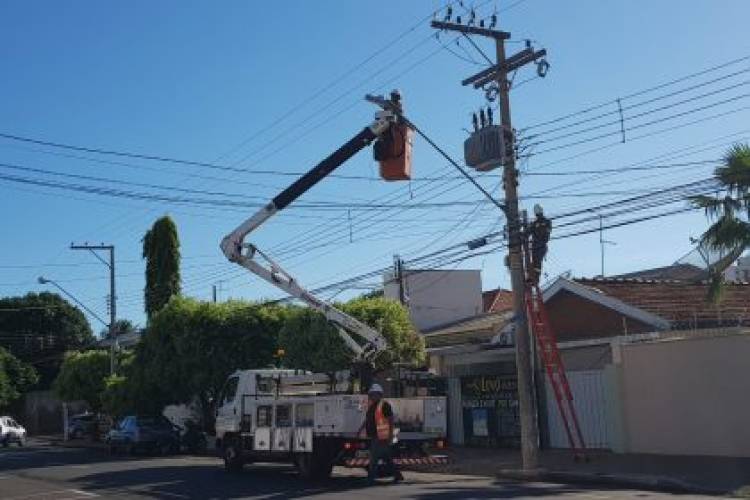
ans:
(378, 425)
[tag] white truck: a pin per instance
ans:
(312, 420)
(279, 415)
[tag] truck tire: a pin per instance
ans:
(232, 454)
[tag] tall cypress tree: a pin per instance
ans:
(161, 249)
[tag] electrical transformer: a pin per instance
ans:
(485, 148)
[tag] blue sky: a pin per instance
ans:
(210, 81)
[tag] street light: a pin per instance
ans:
(45, 281)
(113, 346)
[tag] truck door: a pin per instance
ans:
(227, 411)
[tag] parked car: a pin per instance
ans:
(144, 433)
(11, 432)
(84, 424)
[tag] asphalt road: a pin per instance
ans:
(40, 472)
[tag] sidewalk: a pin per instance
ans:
(659, 472)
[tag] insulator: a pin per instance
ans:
(542, 67)
(482, 118)
(489, 116)
(493, 21)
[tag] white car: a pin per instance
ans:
(11, 432)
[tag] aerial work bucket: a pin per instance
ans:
(393, 152)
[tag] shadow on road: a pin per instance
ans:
(205, 481)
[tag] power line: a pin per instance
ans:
(637, 93)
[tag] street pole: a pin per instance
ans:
(499, 74)
(112, 297)
(526, 403)
(114, 347)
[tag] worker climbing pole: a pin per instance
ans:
(535, 239)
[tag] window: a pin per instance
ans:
(230, 390)
(746, 275)
(304, 416)
(264, 416)
(283, 416)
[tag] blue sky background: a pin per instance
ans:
(209, 81)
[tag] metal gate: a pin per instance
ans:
(589, 398)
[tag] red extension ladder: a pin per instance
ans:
(549, 353)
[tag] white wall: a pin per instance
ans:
(438, 297)
(687, 396)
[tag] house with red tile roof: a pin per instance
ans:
(615, 336)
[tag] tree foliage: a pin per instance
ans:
(729, 234)
(311, 343)
(40, 328)
(161, 249)
(16, 377)
(82, 377)
(191, 347)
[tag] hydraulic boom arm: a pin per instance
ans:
(250, 257)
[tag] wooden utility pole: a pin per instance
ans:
(499, 74)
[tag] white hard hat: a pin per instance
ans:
(376, 388)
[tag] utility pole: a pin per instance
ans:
(112, 296)
(499, 74)
(398, 265)
(602, 241)
(213, 290)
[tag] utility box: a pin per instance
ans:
(485, 148)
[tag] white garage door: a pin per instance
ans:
(589, 399)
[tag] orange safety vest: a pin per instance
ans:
(382, 424)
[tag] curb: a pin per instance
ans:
(651, 483)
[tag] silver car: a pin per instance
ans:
(11, 432)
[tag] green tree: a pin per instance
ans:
(191, 347)
(161, 249)
(118, 397)
(82, 377)
(311, 343)
(16, 377)
(40, 328)
(729, 234)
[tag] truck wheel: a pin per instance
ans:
(232, 455)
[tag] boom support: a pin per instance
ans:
(251, 258)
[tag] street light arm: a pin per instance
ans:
(43, 281)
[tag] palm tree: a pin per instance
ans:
(729, 234)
